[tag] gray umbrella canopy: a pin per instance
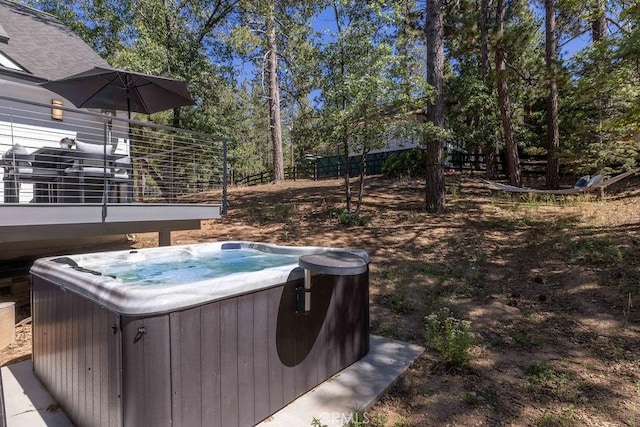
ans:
(115, 89)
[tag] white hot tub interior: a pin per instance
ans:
(157, 280)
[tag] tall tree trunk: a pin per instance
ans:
(343, 101)
(491, 149)
(484, 36)
(274, 100)
(435, 76)
(363, 167)
(599, 24)
(511, 148)
(598, 30)
(553, 134)
(403, 48)
(345, 172)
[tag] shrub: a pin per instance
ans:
(349, 219)
(406, 164)
(450, 337)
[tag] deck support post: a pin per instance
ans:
(164, 238)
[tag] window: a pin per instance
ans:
(4, 37)
(8, 63)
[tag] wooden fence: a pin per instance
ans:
(334, 168)
(477, 162)
(265, 177)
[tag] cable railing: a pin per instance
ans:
(53, 154)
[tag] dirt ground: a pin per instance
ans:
(550, 284)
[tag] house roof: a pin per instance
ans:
(41, 44)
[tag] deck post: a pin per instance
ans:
(164, 237)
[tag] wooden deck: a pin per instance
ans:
(29, 222)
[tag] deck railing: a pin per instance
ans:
(55, 154)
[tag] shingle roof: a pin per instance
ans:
(42, 44)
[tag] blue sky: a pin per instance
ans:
(573, 46)
(324, 23)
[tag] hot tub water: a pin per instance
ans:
(183, 266)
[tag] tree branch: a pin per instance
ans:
(529, 80)
(213, 20)
(181, 5)
(618, 26)
(572, 38)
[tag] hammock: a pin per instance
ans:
(577, 190)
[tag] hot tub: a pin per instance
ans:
(215, 334)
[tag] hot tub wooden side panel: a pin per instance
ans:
(146, 371)
(225, 364)
(75, 354)
(219, 362)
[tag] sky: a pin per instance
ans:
(324, 23)
(575, 45)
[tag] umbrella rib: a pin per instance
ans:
(140, 98)
(124, 79)
(94, 94)
(134, 87)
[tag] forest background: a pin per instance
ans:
(285, 80)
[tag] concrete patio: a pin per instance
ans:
(357, 387)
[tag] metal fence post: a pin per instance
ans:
(224, 176)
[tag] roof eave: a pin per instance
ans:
(21, 75)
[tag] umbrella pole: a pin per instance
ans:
(129, 135)
(105, 189)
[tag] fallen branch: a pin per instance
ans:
(24, 321)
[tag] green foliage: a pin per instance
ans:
(250, 148)
(282, 28)
(410, 164)
(397, 302)
(473, 112)
(547, 383)
(471, 398)
(358, 419)
(596, 251)
(364, 82)
(368, 77)
(316, 422)
(450, 337)
(350, 219)
(540, 372)
(600, 113)
(283, 211)
(472, 106)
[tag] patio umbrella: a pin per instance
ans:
(123, 90)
